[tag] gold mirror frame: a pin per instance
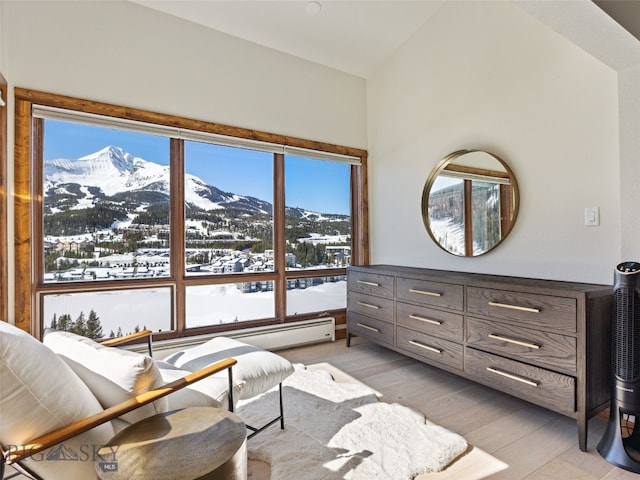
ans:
(493, 176)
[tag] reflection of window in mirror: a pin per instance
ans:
(471, 203)
(485, 205)
(446, 213)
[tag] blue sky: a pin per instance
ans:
(316, 185)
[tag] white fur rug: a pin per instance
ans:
(341, 431)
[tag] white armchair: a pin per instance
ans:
(58, 409)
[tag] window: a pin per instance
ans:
(139, 220)
(318, 222)
(228, 209)
(229, 303)
(317, 232)
(105, 203)
(109, 313)
(313, 294)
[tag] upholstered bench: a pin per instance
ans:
(256, 372)
(193, 443)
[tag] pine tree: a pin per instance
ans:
(54, 322)
(64, 322)
(119, 334)
(94, 327)
(79, 327)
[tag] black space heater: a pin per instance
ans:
(620, 444)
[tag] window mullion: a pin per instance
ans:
(177, 228)
(468, 215)
(279, 236)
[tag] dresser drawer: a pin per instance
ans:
(540, 311)
(430, 321)
(536, 385)
(543, 349)
(430, 348)
(435, 294)
(377, 307)
(370, 283)
(374, 329)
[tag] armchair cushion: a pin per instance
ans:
(39, 393)
(257, 370)
(112, 374)
(212, 391)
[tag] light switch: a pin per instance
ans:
(592, 216)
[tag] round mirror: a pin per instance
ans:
(470, 202)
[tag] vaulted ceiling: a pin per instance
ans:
(353, 36)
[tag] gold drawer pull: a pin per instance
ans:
(516, 342)
(513, 377)
(426, 347)
(368, 305)
(428, 320)
(371, 284)
(514, 307)
(368, 327)
(423, 292)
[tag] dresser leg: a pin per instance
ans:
(583, 425)
(348, 339)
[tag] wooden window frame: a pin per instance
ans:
(28, 201)
(4, 254)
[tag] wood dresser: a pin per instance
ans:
(547, 342)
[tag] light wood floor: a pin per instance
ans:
(511, 439)
(520, 440)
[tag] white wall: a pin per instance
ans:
(487, 75)
(126, 54)
(130, 55)
(629, 87)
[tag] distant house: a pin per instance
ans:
(73, 246)
(233, 266)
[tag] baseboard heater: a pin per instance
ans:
(270, 337)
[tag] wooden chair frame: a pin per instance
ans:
(117, 341)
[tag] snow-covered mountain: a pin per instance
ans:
(113, 172)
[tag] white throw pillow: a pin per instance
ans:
(40, 393)
(112, 374)
(257, 370)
